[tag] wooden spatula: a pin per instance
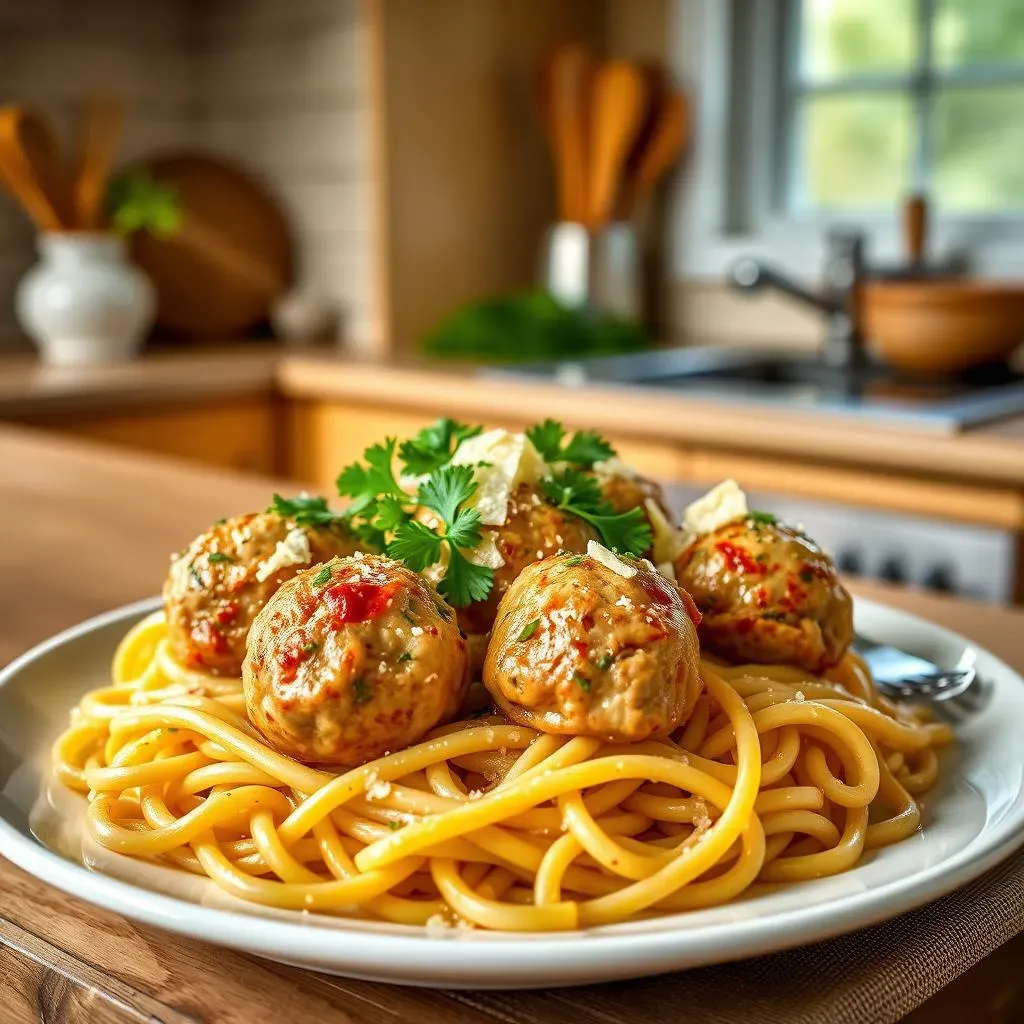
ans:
(666, 143)
(98, 138)
(30, 167)
(617, 110)
(563, 93)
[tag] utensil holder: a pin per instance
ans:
(83, 303)
(599, 269)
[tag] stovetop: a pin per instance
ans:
(794, 380)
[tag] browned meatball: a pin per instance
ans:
(767, 594)
(579, 649)
(214, 589)
(353, 659)
(625, 491)
(533, 529)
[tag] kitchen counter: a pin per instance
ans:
(992, 454)
(88, 528)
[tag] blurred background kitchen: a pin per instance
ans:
(781, 240)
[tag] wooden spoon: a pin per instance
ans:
(30, 167)
(563, 94)
(619, 100)
(99, 132)
(666, 143)
(915, 229)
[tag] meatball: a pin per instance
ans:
(577, 648)
(625, 490)
(224, 577)
(353, 659)
(533, 529)
(767, 594)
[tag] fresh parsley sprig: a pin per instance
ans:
(305, 509)
(446, 492)
(579, 494)
(434, 446)
(583, 449)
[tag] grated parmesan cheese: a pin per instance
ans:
(722, 504)
(293, 550)
(511, 460)
(610, 560)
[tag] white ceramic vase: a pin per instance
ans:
(83, 303)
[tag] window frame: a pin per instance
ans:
(737, 59)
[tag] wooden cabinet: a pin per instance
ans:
(240, 434)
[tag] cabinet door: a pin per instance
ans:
(325, 436)
(234, 435)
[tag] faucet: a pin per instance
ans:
(838, 300)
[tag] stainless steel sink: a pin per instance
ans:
(785, 378)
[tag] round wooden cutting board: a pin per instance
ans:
(218, 275)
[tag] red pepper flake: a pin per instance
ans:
(739, 559)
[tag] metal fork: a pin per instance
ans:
(902, 676)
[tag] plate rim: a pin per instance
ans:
(522, 959)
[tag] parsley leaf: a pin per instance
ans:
(365, 484)
(762, 517)
(322, 576)
(584, 448)
(360, 691)
(433, 446)
(465, 582)
(446, 490)
(219, 556)
(577, 493)
(528, 630)
(416, 544)
(306, 510)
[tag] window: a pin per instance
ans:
(816, 112)
(884, 97)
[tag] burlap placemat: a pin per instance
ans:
(874, 976)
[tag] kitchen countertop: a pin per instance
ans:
(88, 528)
(993, 453)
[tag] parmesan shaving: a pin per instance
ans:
(721, 505)
(610, 560)
(669, 541)
(293, 550)
(615, 467)
(511, 460)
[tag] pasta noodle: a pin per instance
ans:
(777, 777)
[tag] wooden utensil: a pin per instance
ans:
(219, 274)
(30, 167)
(619, 97)
(563, 93)
(915, 229)
(667, 139)
(98, 137)
(657, 91)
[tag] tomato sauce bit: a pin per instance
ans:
(359, 600)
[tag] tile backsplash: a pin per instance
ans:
(282, 88)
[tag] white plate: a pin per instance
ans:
(973, 820)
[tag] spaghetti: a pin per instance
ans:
(777, 777)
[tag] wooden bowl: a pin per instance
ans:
(942, 325)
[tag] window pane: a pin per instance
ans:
(979, 137)
(853, 150)
(979, 32)
(841, 37)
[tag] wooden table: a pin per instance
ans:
(85, 529)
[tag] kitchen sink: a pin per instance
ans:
(784, 378)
